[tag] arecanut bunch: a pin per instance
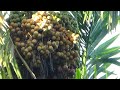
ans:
(46, 38)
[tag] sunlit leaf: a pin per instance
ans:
(78, 74)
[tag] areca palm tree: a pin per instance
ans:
(92, 27)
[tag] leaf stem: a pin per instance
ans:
(24, 62)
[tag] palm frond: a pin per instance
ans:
(7, 57)
(94, 26)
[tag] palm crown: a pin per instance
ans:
(92, 26)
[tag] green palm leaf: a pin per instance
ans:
(100, 23)
(7, 56)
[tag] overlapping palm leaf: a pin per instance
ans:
(94, 26)
(8, 65)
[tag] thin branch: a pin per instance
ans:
(32, 74)
(24, 62)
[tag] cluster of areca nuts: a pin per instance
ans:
(42, 38)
